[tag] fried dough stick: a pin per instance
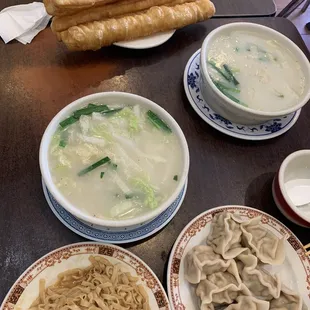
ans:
(94, 35)
(68, 7)
(61, 23)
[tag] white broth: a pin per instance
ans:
(115, 163)
(255, 72)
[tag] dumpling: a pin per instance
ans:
(219, 295)
(288, 300)
(267, 247)
(225, 235)
(221, 287)
(202, 261)
(261, 284)
(207, 307)
(249, 303)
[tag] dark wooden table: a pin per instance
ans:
(244, 8)
(224, 8)
(39, 79)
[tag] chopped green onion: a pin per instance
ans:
(111, 111)
(62, 143)
(231, 97)
(218, 84)
(101, 175)
(157, 122)
(90, 109)
(175, 178)
(94, 166)
(129, 196)
(223, 74)
(68, 121)
(236, 49)
(227, 94)
(232, 77)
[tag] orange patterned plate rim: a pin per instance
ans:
(295, 270)
(78, 253)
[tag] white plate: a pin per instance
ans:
(116, 235)
(147, 42)
(268, 130)
(294, 273)
(26, 289)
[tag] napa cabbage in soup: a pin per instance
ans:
(115, 162)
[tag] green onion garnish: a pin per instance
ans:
(175, 178)
(221, 72)
(62, 143)
(157, 122)
(91, 108)
(111, 111)
(68, 121)
(94, 166)
(218, 84)
(226, 93)
(129, 196)
(101, 175)
(232, 77)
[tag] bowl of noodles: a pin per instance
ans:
(87, 276)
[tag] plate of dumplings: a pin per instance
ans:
(234, 258)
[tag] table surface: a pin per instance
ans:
(39, 79)
(224, 8)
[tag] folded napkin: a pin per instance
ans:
(23, 22)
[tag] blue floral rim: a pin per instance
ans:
(130, 235)
(266, 130)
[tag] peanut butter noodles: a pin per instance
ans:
(101, 286)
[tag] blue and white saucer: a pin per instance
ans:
(268, 130)
(115, 236)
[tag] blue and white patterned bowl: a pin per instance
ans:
(239, 113)
(268, 130)
(114, 235)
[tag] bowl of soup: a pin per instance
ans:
(251, 73)
(114, 159)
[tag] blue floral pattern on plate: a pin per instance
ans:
(270, 129)
(106, 235)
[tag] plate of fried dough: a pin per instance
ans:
(234, 258)
(92, 24)
(87, 276)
